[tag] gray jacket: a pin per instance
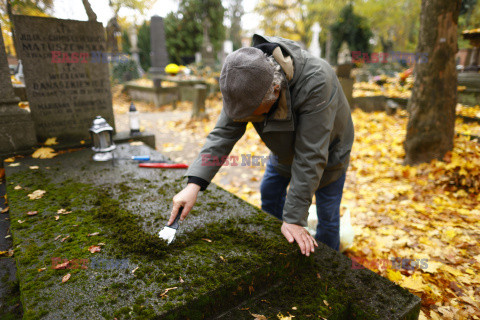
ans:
(311, 131)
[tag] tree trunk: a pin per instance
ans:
(431, 125)
(91, 15)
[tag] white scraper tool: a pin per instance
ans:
(168, 232)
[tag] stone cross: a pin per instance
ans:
(207, 47)
(132, 35)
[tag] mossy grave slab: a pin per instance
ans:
(223, 251)
(227, 254)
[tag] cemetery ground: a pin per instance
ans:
(398, 212)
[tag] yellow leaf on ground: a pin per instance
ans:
(414, 283)
(44, 153)
(258, 316)
(394, 275)
(51, 141)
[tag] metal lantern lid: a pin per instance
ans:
(102, 135)
(99, 125)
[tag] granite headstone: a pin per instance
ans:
(158, 54)
(16, 127)
(67, 85)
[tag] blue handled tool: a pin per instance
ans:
(136, 158)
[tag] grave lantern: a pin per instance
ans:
(102, 138)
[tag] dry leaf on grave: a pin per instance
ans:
(66, 277)
(16, 164)
(258, 316)
(62, 265)
(17, 188)
(282, 317)
(63, 211)
(34, 167)
(94, 249)
(44, 153)
(5, 210)
(12, 159)
(164, 293)
(32, 213)
(37, 194)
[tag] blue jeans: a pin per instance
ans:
(273, 190)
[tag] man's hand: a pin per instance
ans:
(186, 199)
(298, 233)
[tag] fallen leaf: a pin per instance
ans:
(21, 221)
(205, 239)
(93, 234)
(94, 249)
(63, 239)
(37, 194)
(7, 236)
(414, 283)
(34, 167)
(63, 211)
(62, 265)
(12, 159)
(66, 277)
(57, 217)
(280, 316)
(181, 280)
(41, 269)
(3, 253)
(57, 237)
(326, 303)
(223, 259)
(17, 188)
(393, 275)
(82, 141)
(51, 141)
(294, 308)
(136, 143)
(101, 244)
(16, 164)
(44, 153)
(258, 316)
(5, 210)
(32, 213)
(133, 271)
(164, 293)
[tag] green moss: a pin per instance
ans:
(246, 250)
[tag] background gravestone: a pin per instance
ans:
(207, 47)
(158, 55)
(64, 97)
(16, 127)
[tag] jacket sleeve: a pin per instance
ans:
(220, 142)
(314, 126)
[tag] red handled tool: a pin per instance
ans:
(163, 165)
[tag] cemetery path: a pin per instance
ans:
(426, 216)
